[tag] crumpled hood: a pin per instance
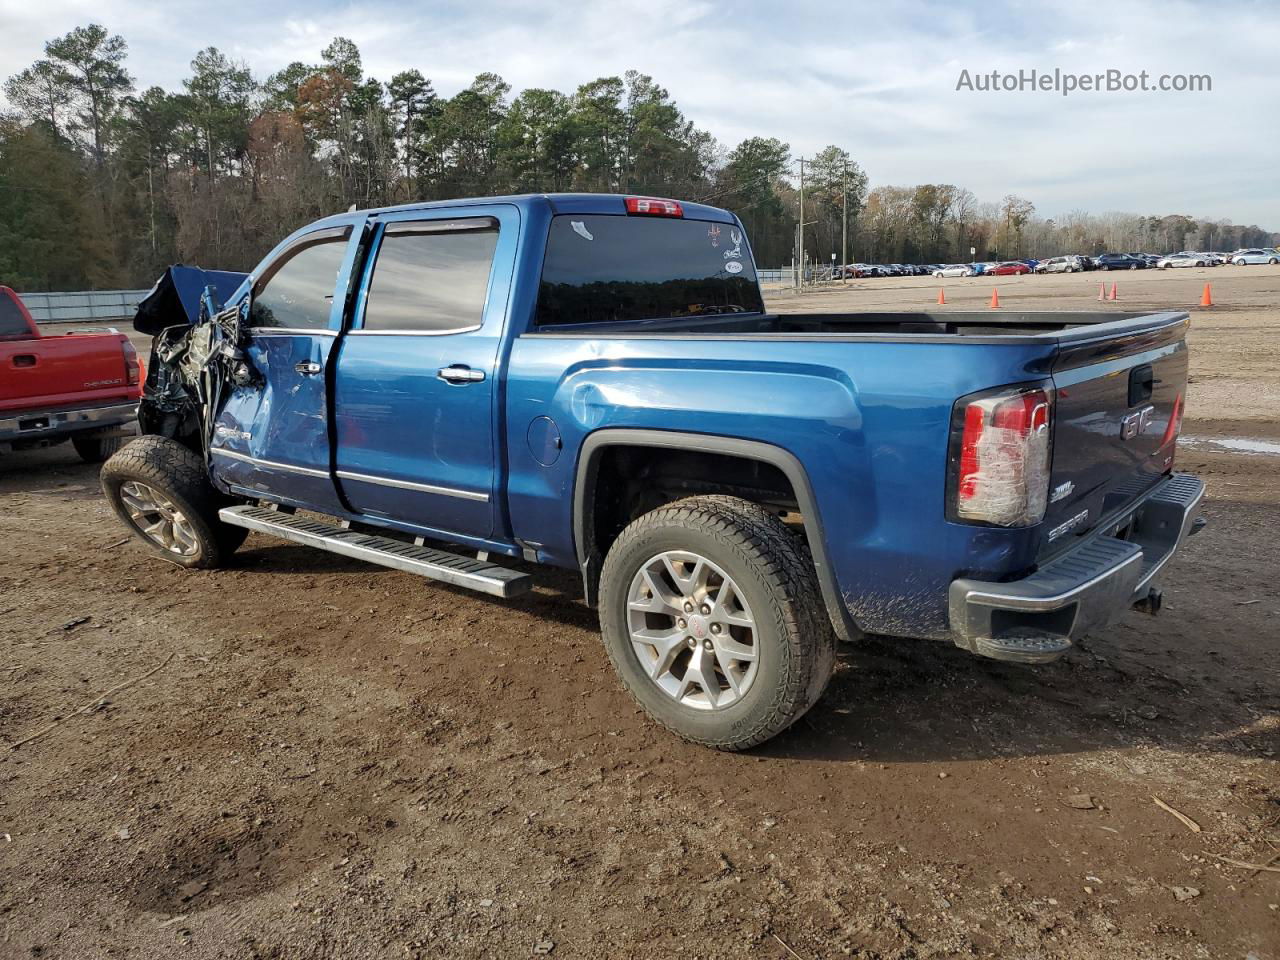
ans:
(175, 298)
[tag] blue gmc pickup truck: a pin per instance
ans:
(594, 382)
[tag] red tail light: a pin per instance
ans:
(653, 207)
(1002, 463)
(1170, 438)
(132, 366)
(1175, 424)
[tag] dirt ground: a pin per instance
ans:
(321, 758)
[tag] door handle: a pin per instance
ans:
(309, 367)
(24, 360)
(460, 373)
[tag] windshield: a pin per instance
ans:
(605, 269)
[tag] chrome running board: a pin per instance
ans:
(479, 575)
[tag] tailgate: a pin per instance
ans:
(1119, 404)
(61, 371)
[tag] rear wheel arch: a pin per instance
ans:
(591, 548)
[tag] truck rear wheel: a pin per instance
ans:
(160, 490)
(96, 449)
(712, 616)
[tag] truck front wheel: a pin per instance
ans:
(159, 488)
(712, 616)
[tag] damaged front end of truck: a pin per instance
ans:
(197, 352)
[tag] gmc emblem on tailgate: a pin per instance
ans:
(1135, 424)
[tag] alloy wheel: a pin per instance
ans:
(159, 519)
(692, 631)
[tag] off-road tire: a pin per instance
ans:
(179, 473)
(773, 567)
(96, 449)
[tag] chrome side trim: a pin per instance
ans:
(413, 333)
(418, 487)
(269, 464)
(291, 332)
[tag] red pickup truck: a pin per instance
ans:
(82, 387)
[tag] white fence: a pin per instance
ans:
(782, 278)
(83, 306)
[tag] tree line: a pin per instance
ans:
(103, 185)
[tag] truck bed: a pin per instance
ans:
(867, 402)
(977, 326)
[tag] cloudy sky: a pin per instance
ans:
(879, 80)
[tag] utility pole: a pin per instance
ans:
(844, 234)
(800, 226)
(795, 250)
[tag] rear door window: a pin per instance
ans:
(13, 324)
(431, 276)
(605, 269)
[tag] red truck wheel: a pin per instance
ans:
(160, 490)
(96, 449)
(712, 616)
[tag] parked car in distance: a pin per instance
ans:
(1207, 258)
(1067, 264)
(1119, 261)
(1254, 255)
(429, 376)
(82, 387)
(1182, 260)
(954, 270)
(1009, 268)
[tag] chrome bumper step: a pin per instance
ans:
(479, 575)
(1035, 619)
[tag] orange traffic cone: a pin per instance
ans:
(942, 295)
(1206, 299)
(1102, 292)
(1113, 293)
(995, 298)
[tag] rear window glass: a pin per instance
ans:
(605, 269)
(13, 325)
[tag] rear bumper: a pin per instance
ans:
(1035, 619)
(45, 424)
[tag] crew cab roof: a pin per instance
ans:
(581, 203)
